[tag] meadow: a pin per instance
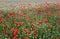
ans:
(30, 22)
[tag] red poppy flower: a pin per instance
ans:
(39, 4)
(16, 32)
(21, 11)
(5, 26)
(26, 30)
(10, 29)
(59, 38)
(28, 18)
(23, 23)
(22, 15)
(5, 32)
(29, 4)
(46, 9)
(29, 12)
(13, 7)
(25, 7)
(40, 22)
(1, 20)
(49, 27)
(14, 37)
(26, 38)
(47, 3)
(58, 20)
(44, 16)
(32, 24)
(2, 15)
(11, 14)
(29, 33)
(50, 14)
(45, 20)
(35, 31)
(17, 23)
(20, 4)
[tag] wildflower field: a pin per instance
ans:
(30, 22)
